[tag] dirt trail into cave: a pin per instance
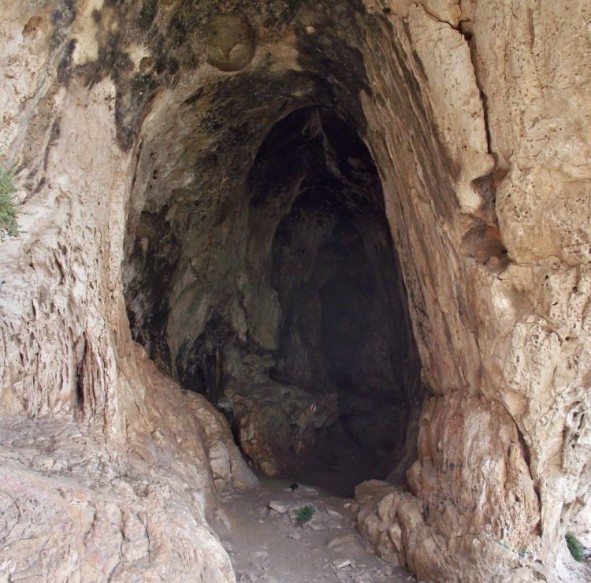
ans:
(267, 545)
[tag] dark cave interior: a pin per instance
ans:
(344, 325)
(304, 251)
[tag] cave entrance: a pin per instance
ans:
(343, 328)
(276, 292)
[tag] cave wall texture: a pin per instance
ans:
(137, 133)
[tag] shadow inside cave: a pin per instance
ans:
(303, 331)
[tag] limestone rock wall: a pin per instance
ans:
(508, 322)
(94, 439)
(476, 116)
(539, 126)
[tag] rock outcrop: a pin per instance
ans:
(381, 206)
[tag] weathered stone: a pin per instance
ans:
(213, 217)
(231, 42)
(277, 425)
(75, 507)
(278, 506)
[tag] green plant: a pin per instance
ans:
(575, 547)
(304, 514)
(7, 208)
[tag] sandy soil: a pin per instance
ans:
(267, 544)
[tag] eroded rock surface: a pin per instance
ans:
(231, 42)
(77, 506)
(386, 201)
(75, 510)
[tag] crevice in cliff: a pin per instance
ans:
(260, 268)
(79, 389)
(468, 36)
(483, 241)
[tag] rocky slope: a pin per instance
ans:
(371, 214)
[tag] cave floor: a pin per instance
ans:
(266, 544)
(339, 464)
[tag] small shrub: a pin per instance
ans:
(575, 547)
(7, 209)
(304, 514)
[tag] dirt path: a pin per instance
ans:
(266, 543)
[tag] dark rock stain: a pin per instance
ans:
(62, 18)
(64, 69)
(147, 14)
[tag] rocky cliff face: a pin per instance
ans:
(364, 215)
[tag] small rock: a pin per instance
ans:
(308, 490)
(342, 563)
(339, 541)
(223, 519)
(231, 43)
(278, 506)
(295, 536)
(334, 514)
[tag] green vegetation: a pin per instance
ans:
(8, 224)
(304, 514)
(575, 547)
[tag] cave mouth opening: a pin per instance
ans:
(344, 328)
(285, 306)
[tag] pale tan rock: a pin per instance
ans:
(524, 361)
(537, 124)
(82, 524)
(279, 507)
(504, 339)
(445, 10)
(455, 98)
